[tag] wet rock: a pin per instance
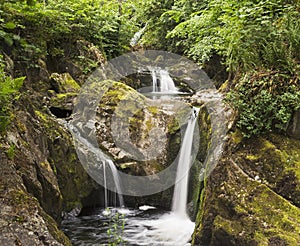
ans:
(294, 126)
(238, 209)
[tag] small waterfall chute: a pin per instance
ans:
(162, 81)
(137, 36)
(108, 165)
(180, 194)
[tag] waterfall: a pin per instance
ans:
(179, 202)
(162, 81)
(116, 180)
(105, 185)
(137, 36)
(110, 174)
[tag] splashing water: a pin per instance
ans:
(162, 81)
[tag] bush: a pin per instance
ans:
(8, 92)
(264, 101)
(247, 34)
(41, 30)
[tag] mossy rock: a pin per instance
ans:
(23, 220)
(275, 161)
(74, 182)
(64, 83)
(238, 208)
(63, 101)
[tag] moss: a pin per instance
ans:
(21, 197)
(10, 152)
(41, 115)
(252, 157)
(237, 210)
(237, 137)
(153, 110)
(54, 231)
(173, 126)
(64, 83)
(275, 159)
(259, 214)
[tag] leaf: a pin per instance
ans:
(16, 37)
(8, 40)
(9, 25)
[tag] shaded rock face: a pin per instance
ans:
(23, 221)
(294, 126)
(41, 176)
(44, 178)
(243, 201)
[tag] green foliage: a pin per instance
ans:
(8, 92)
(163, 16)
(38, 30)
(115, 229)
(265, 101)
(11, 152)
(246, 33)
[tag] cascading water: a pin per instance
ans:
(174, 228)
(109, 169)
(162, 81)
(154, 227)
(116, 180)
(181, 186)
(137, 36)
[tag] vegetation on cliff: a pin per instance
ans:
(257, 41)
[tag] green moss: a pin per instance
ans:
(173, 126)
(252, 157)
(41, 115)
(260, 213)
(53, 229)
(275, 159)
(64, 83)
(237, 137)
(153, 110)
(11, 151)
(242, 211)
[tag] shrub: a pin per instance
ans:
(8, 92)
(264, 101)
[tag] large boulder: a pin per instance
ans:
(252, 196)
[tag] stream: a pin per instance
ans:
(144, 226)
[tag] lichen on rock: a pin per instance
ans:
(241, 203)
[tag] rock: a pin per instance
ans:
(23, 220)
(293, 129)
(64, 83)
(237, 209)
(41, 179)
(274, 161)
(63, 101)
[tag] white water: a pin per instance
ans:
(137, 36)
(182, 175)
(116, 179)
(162, 81)
(105, 186)
(174, 228)
(101, 161)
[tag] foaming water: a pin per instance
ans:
(168, 229)
(162, 81)
(142, 227)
